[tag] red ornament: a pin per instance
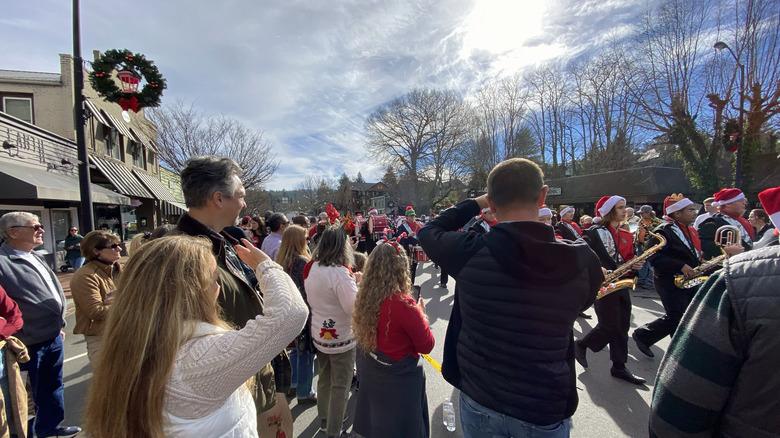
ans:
(129, 104)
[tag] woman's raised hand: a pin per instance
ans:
(250, 254)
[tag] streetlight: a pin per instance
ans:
(720, 45)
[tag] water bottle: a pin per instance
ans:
(448, 412)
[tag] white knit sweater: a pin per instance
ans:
(213, 365)
(331, 292)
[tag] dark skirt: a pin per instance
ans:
(391, 402)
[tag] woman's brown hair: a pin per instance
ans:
(168, 286)
(293, 245)
(96, 240)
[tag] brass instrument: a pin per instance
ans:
(611, 281)
(724, 236)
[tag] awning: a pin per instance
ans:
(22, 182)
(144, 140)
(173, 209)
(95, 112)
(121, 177)
(121, 127)
(155, 186)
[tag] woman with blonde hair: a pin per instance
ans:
(92, 287)
(170, 365)
(292, 256)
(392, 331)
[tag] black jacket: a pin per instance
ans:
(509, 343)
(670, 259)
(565, 232)
(707, 230)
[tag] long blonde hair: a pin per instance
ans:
(168, 282)
(386, 273)
(293, 245)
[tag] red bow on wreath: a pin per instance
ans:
(129, 104)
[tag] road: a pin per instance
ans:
(608, 407)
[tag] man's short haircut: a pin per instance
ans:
(515, 181)
(300, 220)
(205, 175)
(15, 219)
(710, 200)
(276, 221)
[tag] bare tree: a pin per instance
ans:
(550, 115)
(183, 132)
(420, 133)
(314, 193)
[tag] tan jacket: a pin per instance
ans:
(15, 353)
(89, 287)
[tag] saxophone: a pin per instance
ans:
(725, 235)
(611, 281)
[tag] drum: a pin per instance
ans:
(377, 224)
(419, 254)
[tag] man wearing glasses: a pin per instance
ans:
(38, 293)
(679, 256)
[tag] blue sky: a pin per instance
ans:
(308, 72)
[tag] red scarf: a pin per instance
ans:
(625, 246)
(744, 222)
(691, 233)
(576, 227)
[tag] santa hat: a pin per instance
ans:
(410, 211)
(399, 220)
(675, 202)
(544, 211)
(770, 200)
(565, 210)
(605, 205)
(323, 215)
(727, 196)
(372, 210)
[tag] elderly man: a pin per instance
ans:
(215, 196)
(35, 288)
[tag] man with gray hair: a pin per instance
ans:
(36, 290)
(215, 196)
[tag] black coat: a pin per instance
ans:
(707, 230)
(670, 259)
(565, 232)
(509, 343)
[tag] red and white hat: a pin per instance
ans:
(544, 211)
(605, 205)
(770, 200)
(565, 210)
(675, 202)
(727, 196)
(372, 210)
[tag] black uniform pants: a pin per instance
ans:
(675, 302)
(614, 315)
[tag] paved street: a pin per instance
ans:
(608, 407)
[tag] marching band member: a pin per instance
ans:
(566, 227)
(614, 246)
(410, 226)
(731, 205)
(486, 220)
(680, 255)
(366, 234)
(545, 216)
(770, 200)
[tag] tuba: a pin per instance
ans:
(612, 283)
(724, 236)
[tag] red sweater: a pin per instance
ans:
(408, 332)
(13, 316)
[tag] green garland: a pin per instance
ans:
(102, 81)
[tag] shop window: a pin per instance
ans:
(139, 158)
(19, 107)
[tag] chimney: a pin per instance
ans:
(96, 54)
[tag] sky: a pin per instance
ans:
(307, 72)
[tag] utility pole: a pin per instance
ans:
(87, 222)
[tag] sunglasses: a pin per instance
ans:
(114, 246)
(33, 227)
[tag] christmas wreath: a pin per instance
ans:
(137, 65)
(732, 135)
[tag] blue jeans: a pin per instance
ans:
(4, 385)
(481, 422)
(302, 372)
(76, 263)
(644, 275)
(45, 372)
